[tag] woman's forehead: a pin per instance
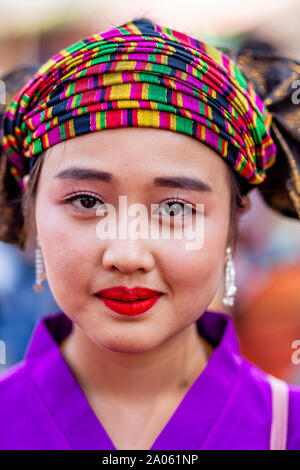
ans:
(140, 150)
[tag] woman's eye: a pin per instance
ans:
(175, 209)
(85, 201)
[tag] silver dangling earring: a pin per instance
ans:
(230, 287)
(40, 274)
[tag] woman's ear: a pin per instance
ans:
(247, 204)
(26, 179)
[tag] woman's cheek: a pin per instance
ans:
(204, 265)
(65, 246)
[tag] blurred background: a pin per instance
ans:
(267, 307)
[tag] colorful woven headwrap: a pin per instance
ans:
(141, 74)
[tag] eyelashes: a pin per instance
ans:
(91, 198)
(176, 201)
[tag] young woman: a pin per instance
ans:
(134, 360)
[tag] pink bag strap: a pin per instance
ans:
(280, 408)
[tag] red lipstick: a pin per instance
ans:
(129, 301)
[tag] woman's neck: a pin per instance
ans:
(172, 366)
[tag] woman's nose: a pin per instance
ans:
(128, 256)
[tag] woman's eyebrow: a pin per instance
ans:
(184, 182)
(76, 173)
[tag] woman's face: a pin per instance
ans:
(79, 263)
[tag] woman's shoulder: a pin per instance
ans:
(17, 391)
(12, 379)
(282, 397)
(26, 422)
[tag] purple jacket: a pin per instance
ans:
(229, 406)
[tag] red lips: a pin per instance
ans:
(129, 301)
(126, 294)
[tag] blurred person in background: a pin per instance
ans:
(267, 307)
(267, 311)
(20, 308)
